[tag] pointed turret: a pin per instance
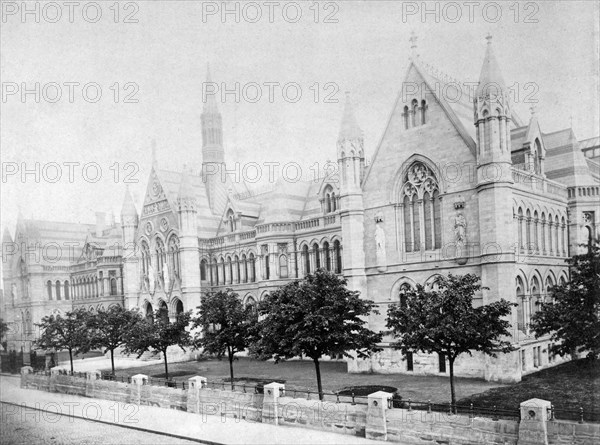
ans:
(349, 128)
(490, 79)
(350, 144)
(492, 112)
(186, 190)
(6, 237)
(128, 209)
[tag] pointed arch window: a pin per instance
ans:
(337, 253)
(174, 257)
(406, 118)
(327, 256)
(317, 256)
(146, 260)
(328, 200)
(414, 112)
(203, 270)
(283, 266)
(236, 260)
(49, 289)
(66, 291)
(231, 221)
(423, 112)
(252, 268)
(421, 210)
(520, 304)
(58, 290)
(306, 259)
(244, 269)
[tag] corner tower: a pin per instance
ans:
(131, 273)
(350, 152)
(492, 120)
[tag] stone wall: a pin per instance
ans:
(374, 420)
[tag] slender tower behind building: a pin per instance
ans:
(213, 154)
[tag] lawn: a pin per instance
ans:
(300, 375)
(568, 386)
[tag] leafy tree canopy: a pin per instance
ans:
(573, 316)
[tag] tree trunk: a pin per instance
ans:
(71, 359)
(112, 361)
(318, 370)
(166, 366)
(452, 392)
(230, 354)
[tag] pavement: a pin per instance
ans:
(39, 406)
(103, 362)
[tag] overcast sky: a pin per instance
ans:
(163, 57)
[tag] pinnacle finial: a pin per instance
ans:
(413, 44)
(489, 38)
(153, 145)
(532, 109)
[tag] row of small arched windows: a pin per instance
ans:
(229, 271)
(415, 115)
(529, 304)
(90, 287)
(540, 234)
(327, 256)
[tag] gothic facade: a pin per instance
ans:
(454, 186)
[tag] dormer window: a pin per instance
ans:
(230, 221)
(329, 200)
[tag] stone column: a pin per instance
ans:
(533, 428)
(195, 385)
(272, 393)
(376, 428)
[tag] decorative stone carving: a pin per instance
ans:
(380, 247)
(460, 229)
(149, 228)
(588, 218)
(164, 224)
(151, 278)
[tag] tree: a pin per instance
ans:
(3, 328)
(444, 321)
(110, 328)
(157, 334)
(65, 333)
(313, 317)
(225, 325)
(573, 317)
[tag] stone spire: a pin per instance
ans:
(490, 79)
(6, 237)
(349, 128)
(210, 103)
(186, 190)
(128, 208)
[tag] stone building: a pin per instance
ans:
(458, 183)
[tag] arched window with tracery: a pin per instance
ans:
(317, 255)
(283, 266)
(549, 285)
(146, 259)
(174, 257)
(333, 202)
(337, 253)
(421, 210)
(161, 257)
